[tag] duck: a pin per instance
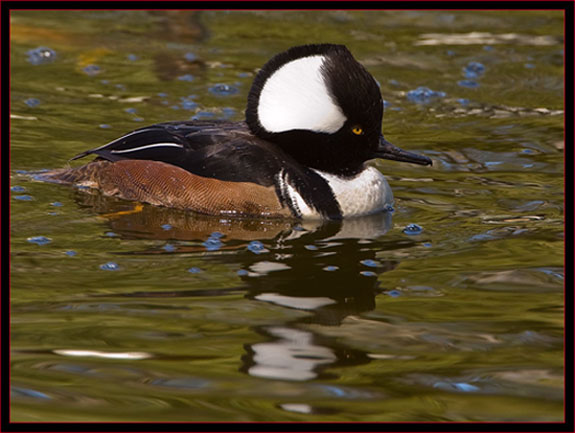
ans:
(313, 121)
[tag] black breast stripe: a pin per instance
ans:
(316, 192)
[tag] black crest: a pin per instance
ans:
(351, 87)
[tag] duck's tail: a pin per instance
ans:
(85, 175)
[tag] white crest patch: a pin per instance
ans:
(365, 194)
(296, 97)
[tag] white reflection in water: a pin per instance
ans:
(99, 354)
(292, 357)
(295, 302)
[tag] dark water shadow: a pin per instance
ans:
(330, 270)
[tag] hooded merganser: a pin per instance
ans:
(313, 119)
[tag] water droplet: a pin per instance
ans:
(212, 244)
(17, 391)
(39, 240)
(166, 227)
(17, 188)
(466, 387)
(190, 57)
(370, 263)
(223, 90)
(56, 204)
(552, 273)
(368, 274)
(104, 126)
(257, 247)
(194, 270)
(110, 266)
(529, 65)
(111, 234)
(162, 95)
(186, 77)
(169, 248)
(468, 83)
(394, 293)
(132, 57)
(189, 105)
(32, 102)
(41, 55)
(335, 390)
(331, 268)
(228, 112)
(413, 229)
(92, 70)
(311, 247)
(463, 101)
(24, 197)
(203, 115)
(242, 272)
(71, 253)
(423, 95)
(130, 110)
(473, 70)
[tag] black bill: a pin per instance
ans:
(386, 150)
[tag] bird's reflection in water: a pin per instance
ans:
(325, 275)
(328, 269)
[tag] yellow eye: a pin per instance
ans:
(357, 130)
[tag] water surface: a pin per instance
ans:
(127, 314)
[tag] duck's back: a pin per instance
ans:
(208, 167)
(213, 149)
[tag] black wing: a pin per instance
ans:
(222, 150)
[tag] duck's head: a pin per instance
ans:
(323, 108)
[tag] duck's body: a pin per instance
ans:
(267, 166)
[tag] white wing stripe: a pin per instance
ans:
(121, 138)
(148, 146)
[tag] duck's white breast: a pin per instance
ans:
(364, 194)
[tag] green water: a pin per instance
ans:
(209, 319)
